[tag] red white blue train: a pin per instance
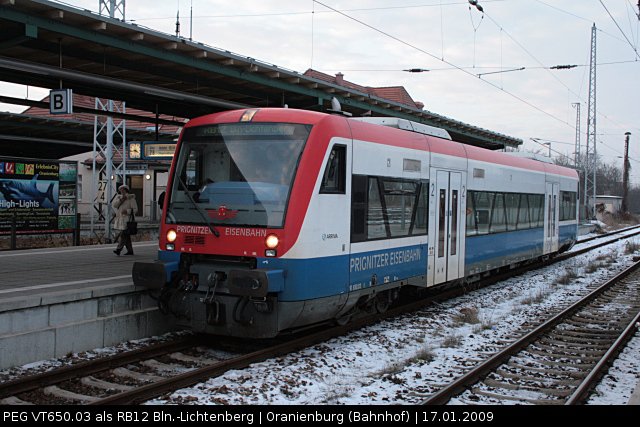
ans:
(277, 219)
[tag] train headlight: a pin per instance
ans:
(171, 235)
(272, 241)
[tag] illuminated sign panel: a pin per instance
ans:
(37, 196)
(159, 150)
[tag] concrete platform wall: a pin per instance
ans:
(53, 325)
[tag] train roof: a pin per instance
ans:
(427, 139)
(407, 125)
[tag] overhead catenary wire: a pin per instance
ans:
(440, 4)
(361, 9)
(486, 67)
(535, 107)
(552, 74)
(623, 33)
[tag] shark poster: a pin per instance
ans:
(32, 196)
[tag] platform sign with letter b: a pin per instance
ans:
(61, 101)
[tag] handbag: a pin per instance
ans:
(132, 225)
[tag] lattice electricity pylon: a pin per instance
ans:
(112, 8)
(591, 160)
(109, 165)
(103, 188)
(576, 153)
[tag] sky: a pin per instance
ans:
(372, 41)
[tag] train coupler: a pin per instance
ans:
(262, 305)
(215, 312)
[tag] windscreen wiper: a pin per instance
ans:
(202, 214)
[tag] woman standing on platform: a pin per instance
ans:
(124, 205)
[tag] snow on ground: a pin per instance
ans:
(75, 358)
(618, 384)
(403, 360)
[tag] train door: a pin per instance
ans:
(551, 217)
(447, 192)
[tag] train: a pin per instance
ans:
(278, 219)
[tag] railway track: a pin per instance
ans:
(99, 374)
(138, 376)
(610, 233)
(562, 359)
(141, 375)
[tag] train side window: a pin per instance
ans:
(376, 218)
(442, 222)
(335, 171)
(567, 205)
(536, 209)
(511, 203)
(549, 208)
(359, 208)
(498, 223)
(454, 222)
(472, 228)
(421, 221)
(482, 202)
(541, 211)
(383, 208)
(399, 204)
(555, 203)
(523, 213)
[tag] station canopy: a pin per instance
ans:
(51, 45)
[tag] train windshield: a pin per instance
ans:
(236, 174)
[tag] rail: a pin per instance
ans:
(490, 365)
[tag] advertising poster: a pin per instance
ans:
(39, 195)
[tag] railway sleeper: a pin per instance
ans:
(543, 388)
(516, 398)
(582, 337)
(632, 303)
(138, 376)
(104, 385)
(570, 340)
(612, 307)
(530, 375)
(13, 400)
(573, 344)
(616, 293)
(555, 355)
(588, 333)
(516, 366)
(546, 362)
(587, 320)
(571, 351)
(198, 360)
(600, 316)
(56, 391)
(159, 366)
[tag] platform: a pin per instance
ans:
(33, 272)
(63, 300)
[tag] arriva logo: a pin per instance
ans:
(329, 236)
